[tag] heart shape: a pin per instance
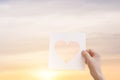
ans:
(67, 50)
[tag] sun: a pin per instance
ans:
(45, 74)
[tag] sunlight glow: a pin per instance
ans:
(45, 74)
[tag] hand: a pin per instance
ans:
(92, 59)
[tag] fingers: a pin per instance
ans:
(90, 54)
(93, 53)
(93, 61)
(86, 56)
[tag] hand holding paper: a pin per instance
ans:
(65, 51)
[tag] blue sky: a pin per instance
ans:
(75, 1)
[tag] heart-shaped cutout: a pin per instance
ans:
(67, 50)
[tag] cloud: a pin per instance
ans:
(40, 7)
(21, 22)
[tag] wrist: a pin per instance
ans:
(100, 77)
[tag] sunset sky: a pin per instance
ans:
(24, 36)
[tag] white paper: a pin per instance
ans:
(65, 51)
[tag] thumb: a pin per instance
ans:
(86, 55)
